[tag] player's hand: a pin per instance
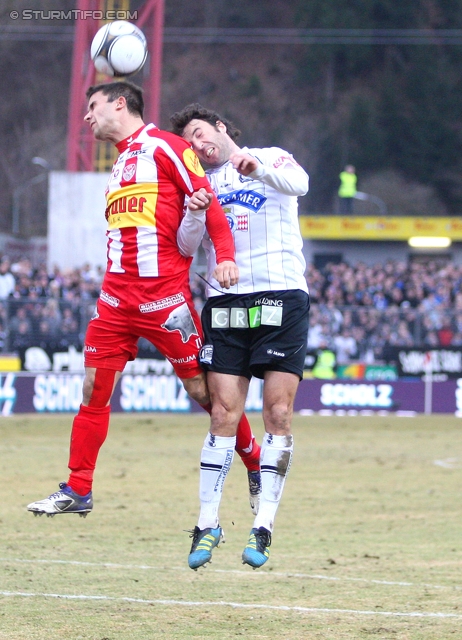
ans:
(226, 273)
(243, 162)
(200, 200)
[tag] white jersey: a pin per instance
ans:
(262, 212)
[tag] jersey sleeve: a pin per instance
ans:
(219, 231)
(192, 229)
(278, 169)
(190, 232)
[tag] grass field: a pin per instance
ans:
(367, 543)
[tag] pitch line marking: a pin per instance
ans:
(448, 463)
(278, 574)
(234, 605)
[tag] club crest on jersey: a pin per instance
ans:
(206, 354)
(239, 222)
(244, 197)
(128, 172)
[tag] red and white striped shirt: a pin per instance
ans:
(145, 205)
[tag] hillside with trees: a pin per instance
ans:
(389, 104)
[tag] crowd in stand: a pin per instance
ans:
(359, 311)
(362, 312)
(49, 310)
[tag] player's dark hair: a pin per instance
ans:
(196, 111)
(113, 90)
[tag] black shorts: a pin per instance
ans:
(248, 334)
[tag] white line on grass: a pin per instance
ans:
(234, 605)
(278, 574)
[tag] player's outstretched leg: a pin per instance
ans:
(216, 458)
(63, 501)
(276, 456)
(204, 541)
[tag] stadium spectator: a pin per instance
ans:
(445, 332)
(21, 317)
(401, 337)
(347, 190)
(7, 280)
(22, 338)
(345, 346)
(2, 335)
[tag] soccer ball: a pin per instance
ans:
(119, 49)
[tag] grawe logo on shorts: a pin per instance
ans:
(164, 303)
(108, 299)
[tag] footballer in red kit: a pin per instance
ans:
(157, 196)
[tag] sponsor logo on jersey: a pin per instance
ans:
(192, 163)
(89, 349)
(129, 171)
(180, 319)
(245, 198)
(157, 305)
(132, 206)
(283, 159)
(110, 300)
(125, 204)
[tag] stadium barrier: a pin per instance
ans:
(54, 392)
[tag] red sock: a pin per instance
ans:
(246, 445)
(89, 431)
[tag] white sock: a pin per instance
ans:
(216, 458)
(275, 458)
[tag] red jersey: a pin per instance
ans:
(145, 205)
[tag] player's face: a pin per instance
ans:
(211, 143)
(100, 116)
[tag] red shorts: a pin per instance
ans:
(158, 309)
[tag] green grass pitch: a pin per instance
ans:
(367, 541)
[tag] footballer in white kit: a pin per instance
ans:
(257, 328)
(262, 322)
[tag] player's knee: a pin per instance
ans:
(197, 389)
(87, 389)
(278, 417)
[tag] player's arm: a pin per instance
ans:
(192, 178)
(282, 173)
(192, 227)
(226, 272)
